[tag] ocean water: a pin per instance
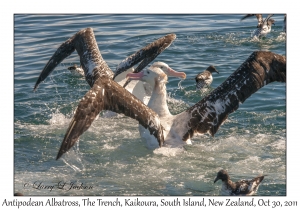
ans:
(111, 158)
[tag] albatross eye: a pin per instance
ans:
(148, 72)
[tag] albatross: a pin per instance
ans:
(263, 26)
(206, 116)
(105, 93)
(137, 88)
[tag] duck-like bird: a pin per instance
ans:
(263, 26)
(242, 187)
(206, 116)
(205, 78)
(105, 93)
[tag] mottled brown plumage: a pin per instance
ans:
(238, 188)
(146, 54)
(207, 115)
(204, 79)
(263, 26)
(261, 68)
(84, 42)
(105, 94)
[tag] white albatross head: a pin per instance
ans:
(168, 70)
(150, 76)
(159, 72)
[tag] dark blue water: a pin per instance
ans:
(111, 156)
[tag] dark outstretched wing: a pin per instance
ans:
(106, 94)
(266, 20)
(145, 55)
(206, 116)
(85, 44)
(258, 16)
(64, 50)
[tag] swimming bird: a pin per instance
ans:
(207, 115)
(263, 26)
(242, 187)
(105, 93)
(204, 79)
(77, 70)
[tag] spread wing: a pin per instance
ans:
(206, 116)
(84, 42)
(64, 50)
(145, 55)
(106, 94)
(266, 20)
(258, 16)
(247, 187)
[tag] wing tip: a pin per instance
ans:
(61, 151)
(58, 156)
(35, 87)
(37, 84)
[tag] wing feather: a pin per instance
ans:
(145, 55)
(206, 116)
(106, 94)
(84, 42)
(258, 16)
(64, 50)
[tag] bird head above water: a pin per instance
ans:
(157, 72)
(151, 76)
(222, 175)
(212, 69)
(168, 70)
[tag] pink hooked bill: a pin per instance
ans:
(172, 72)
(135, 76)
